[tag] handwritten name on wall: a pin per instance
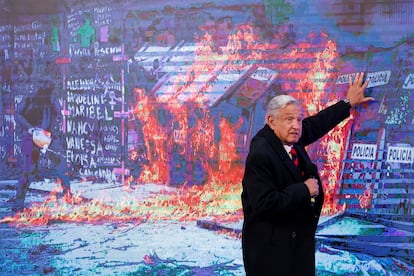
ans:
(93, 133)
(28, 38)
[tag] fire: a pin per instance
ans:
(180, 121)
(311, 88)
(155, 170)
(185, 204)
(244, 47)
(203, 137)
(228, 171)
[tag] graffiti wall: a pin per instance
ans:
(157, 104)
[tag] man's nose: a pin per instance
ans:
(297, 124)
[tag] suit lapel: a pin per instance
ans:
(303, 155)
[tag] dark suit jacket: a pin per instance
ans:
(279, 221)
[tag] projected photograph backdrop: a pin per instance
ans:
(157, 104)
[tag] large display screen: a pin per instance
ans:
(149, 111)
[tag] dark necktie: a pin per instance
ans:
(295, 158)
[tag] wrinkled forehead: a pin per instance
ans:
(291, 109)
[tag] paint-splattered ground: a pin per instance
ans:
(143, 247)
(122, 248)
(73, 249)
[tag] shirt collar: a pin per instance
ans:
(287, 148)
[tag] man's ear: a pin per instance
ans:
(269, 119)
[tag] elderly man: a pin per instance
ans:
(282, 194)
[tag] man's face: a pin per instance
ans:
(287, 124)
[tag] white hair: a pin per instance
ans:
(279, 102)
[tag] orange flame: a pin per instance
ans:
(186, 204)
(312, 87)
(220, 196)
(154, 136)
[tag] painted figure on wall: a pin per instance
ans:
(87, 34)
